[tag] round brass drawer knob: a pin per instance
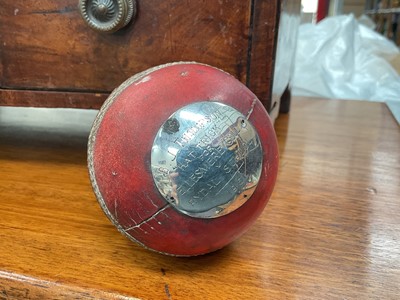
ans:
(107, 15)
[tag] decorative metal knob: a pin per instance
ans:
(107, 15)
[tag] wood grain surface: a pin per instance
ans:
(330, 231)
(51, 99)
(46, 45)
(263, 44)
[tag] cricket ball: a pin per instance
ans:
(182, 158)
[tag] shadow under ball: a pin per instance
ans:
(183, 158)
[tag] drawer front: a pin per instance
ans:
(46, 45)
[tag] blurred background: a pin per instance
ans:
(349, 49)
(385, 13)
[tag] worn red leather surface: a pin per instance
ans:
(122, 151)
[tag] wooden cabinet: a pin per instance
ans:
(51, 58)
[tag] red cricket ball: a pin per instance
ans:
(183, 158)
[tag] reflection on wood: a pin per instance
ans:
(330, 230)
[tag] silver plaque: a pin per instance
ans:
(206, 159)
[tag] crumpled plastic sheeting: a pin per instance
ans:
(341, 59)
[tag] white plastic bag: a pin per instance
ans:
(340, 58)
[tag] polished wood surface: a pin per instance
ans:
(330, 231)
(53, 99)
(46, 45)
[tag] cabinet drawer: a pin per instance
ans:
(47, 46)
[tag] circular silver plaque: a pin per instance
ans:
(206, 159)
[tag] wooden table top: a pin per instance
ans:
(330, 230)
